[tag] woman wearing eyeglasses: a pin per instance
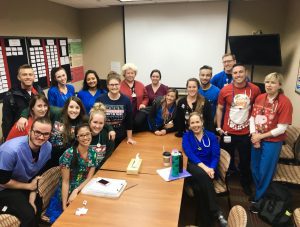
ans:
(118, 109)
(271, 115)
(39, 107)
(78, 165)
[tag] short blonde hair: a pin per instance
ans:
(129, 66)
(277, 77)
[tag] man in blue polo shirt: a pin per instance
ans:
(225, 77)
(21, 160)
(208, 90)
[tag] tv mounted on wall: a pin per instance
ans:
(256, 49)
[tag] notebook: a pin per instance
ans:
(112, 189)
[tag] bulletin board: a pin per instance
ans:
(42, 53)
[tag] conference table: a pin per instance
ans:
(149, 200)
(150, 148)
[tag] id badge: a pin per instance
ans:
(227, 139)
(133, 95)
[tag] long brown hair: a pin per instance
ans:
(200, 100)
(165, 111)
(68, 135)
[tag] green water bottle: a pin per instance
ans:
(175, 163)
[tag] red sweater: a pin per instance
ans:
(14, 132)
(140, 91)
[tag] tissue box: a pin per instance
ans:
(134, 166)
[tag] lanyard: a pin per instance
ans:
(274, 104)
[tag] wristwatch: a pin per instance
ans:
(218, 129)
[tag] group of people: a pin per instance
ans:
(224, 111)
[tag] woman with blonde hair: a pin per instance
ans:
(203, 151)
(136, 92)
(100, 134)
(271, 115)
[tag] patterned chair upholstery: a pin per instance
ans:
(297, 217)
(287, 173)
(237, 217)
(221, 185)
(46, 187)
(287, 151)
(7, 220)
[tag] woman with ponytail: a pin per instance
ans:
(193, 102)
(100, 134)
(78, 165)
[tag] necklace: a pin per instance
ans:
(202, 141)
(99, 144)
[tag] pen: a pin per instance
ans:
(130, 187)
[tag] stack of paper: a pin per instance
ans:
(113, 189)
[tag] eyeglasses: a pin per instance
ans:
(228, 61)
(37, 133)
(82, 136)
(113, 85)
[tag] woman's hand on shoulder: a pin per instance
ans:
(22, 124)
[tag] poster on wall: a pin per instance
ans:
(297, 89)
(76, 60)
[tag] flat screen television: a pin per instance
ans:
(256, 49)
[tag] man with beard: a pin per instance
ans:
(21, 161)
(208, 90)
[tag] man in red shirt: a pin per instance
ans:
(237, 99)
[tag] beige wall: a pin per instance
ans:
(268, 16)
(291, 55)
(37, 18)
(102, 37)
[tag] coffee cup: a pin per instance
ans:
(167, 158)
